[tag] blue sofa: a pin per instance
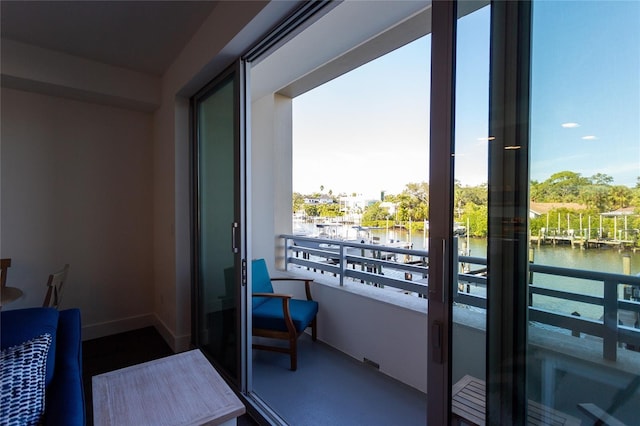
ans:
(64, 394)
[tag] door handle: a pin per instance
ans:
(445, 272)
(436, 341)
(440, 287)
(234, 241)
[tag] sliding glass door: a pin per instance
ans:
(582, 351)
(533, 314)
(219, 222)
(479, 163)
(533, 298)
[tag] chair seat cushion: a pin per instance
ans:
(269, 314)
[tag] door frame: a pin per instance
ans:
(510, 48)
(441, 150)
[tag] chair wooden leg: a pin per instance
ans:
(314, 332)
(293, 347)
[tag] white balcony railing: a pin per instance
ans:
(407, 270)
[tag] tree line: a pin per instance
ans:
(597, 194)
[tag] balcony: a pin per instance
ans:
(373, 322)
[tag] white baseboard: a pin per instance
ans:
(107, 328)
(177, 343)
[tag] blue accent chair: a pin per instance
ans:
(279, 316)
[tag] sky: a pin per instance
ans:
(368, 131)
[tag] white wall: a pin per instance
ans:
(271, 184)
(208, 53)
(159, 287)
(262, 179)
(76, 185)
(127, 190)
(391, 336)
(362, 326)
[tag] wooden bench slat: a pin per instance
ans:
(478, 399)
(467, 408)
(473, 416)
(469, 404)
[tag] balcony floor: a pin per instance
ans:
(331, 388)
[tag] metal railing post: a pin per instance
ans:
(286, 254)
(343, 264)
(610, 334)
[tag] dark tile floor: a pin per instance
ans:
(123, 350)
(332, 389)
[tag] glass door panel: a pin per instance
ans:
(217, 250)
(469, 289)
(583, 352)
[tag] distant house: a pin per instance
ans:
(539, 209)
(624, 211)
(323, 199)
(391, 207)
(355, 203)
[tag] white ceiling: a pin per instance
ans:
(339, 46)
(143, 36)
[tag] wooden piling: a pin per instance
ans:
(626, 264)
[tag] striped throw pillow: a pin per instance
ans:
(22, 375)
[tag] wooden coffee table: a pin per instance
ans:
(182, 389)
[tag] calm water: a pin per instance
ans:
(604, 260)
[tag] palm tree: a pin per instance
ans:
(620, 196)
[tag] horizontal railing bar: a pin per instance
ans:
(375, 247)
(475, 279)
(576, 297)
(584, 325)
(315, 252)
(471, 300)
(583, 274)
(628, 335)
(341, 255)
(314, 265)
(473, 260)
(628, 305)
(387, 281)
(387, 264)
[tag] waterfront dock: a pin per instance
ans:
(583, 243)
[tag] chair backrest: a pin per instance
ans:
(54, 288)
(261, 281)
(4, 265)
